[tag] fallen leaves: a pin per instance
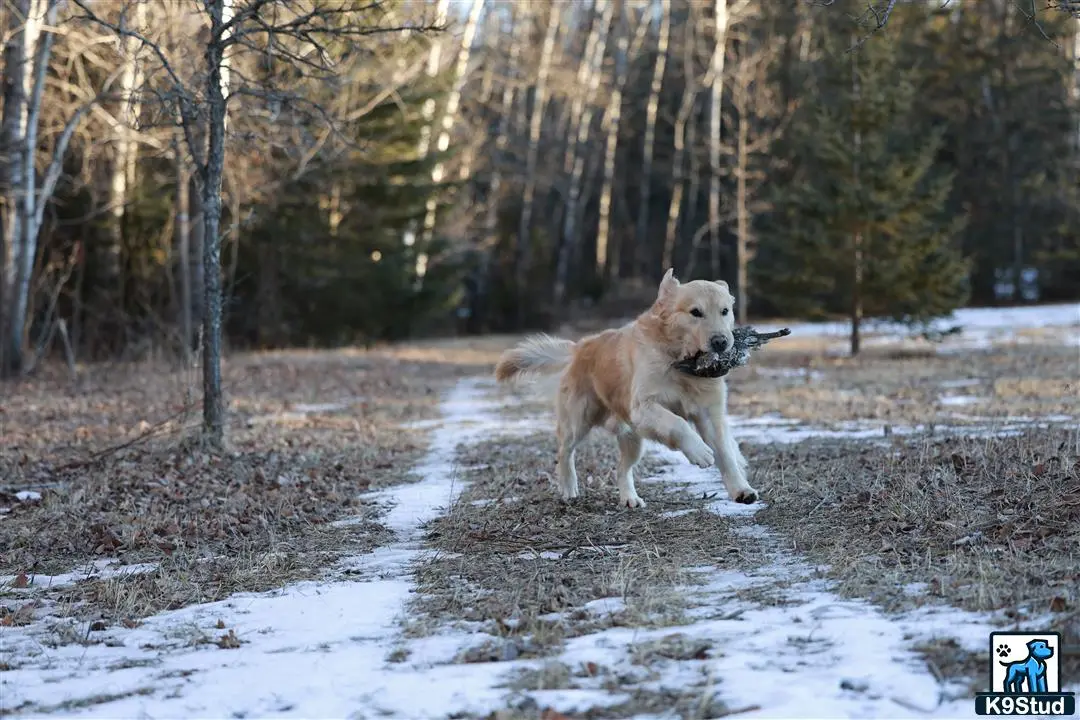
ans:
(229, 641)
(20, 616)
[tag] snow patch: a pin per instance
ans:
(960, 399)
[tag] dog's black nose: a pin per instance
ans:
(719, 344)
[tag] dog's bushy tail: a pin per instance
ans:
(536, 353)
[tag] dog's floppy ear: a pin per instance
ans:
(667, 285)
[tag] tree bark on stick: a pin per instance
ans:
(524, 244)
(641, 245)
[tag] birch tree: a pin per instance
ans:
(126, 158)
(651, 109)
(26, 20)
(446, 126)
(524, 244)
(502, 139)
(606, 261)
(691, 88)
(716, 97)
(25, 199)
(576, 148)
(434, 65)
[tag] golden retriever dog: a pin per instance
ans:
(623, 380)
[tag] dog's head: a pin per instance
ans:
(1040, 649)
(692, 318)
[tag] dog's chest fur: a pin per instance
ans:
(688, 396)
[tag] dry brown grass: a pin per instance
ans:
(119, 476)
(1018, 381)
(523, 563)
(984, 524)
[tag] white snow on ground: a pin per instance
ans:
(981, 327)
(99, 569)
(998, 319)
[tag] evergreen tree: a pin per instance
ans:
(329, 253)
(862, 226)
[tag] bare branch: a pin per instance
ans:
(185, 102)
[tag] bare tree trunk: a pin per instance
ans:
(641, 240)
(693, 198)
(449, 116)
(183, 246)
(213, 401)
(608, 263)
(501, 140)
(686, 108)
(524, 248)
(1076, 83)
(37, 48)
(123, 170)
(567, 123)
(857, 237)
(18, 68)
(578, 101)
(427, 112)
(577, 148)
(716, 107)
(742, 215)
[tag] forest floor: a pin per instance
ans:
(382, 537)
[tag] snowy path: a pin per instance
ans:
(321, 649)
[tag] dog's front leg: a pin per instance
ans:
(729, 458)
(652, 420)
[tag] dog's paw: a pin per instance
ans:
(700, 454)
(631, 501)
(747, 496)
(569, 494)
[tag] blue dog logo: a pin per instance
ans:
(1030, 670)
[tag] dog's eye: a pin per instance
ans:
(724, 311)
(696, 312)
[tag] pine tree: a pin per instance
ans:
(330, 248)
(862, 227)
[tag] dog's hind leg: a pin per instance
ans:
(630, 447)
(572, 426)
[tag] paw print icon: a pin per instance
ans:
(1002, 650)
